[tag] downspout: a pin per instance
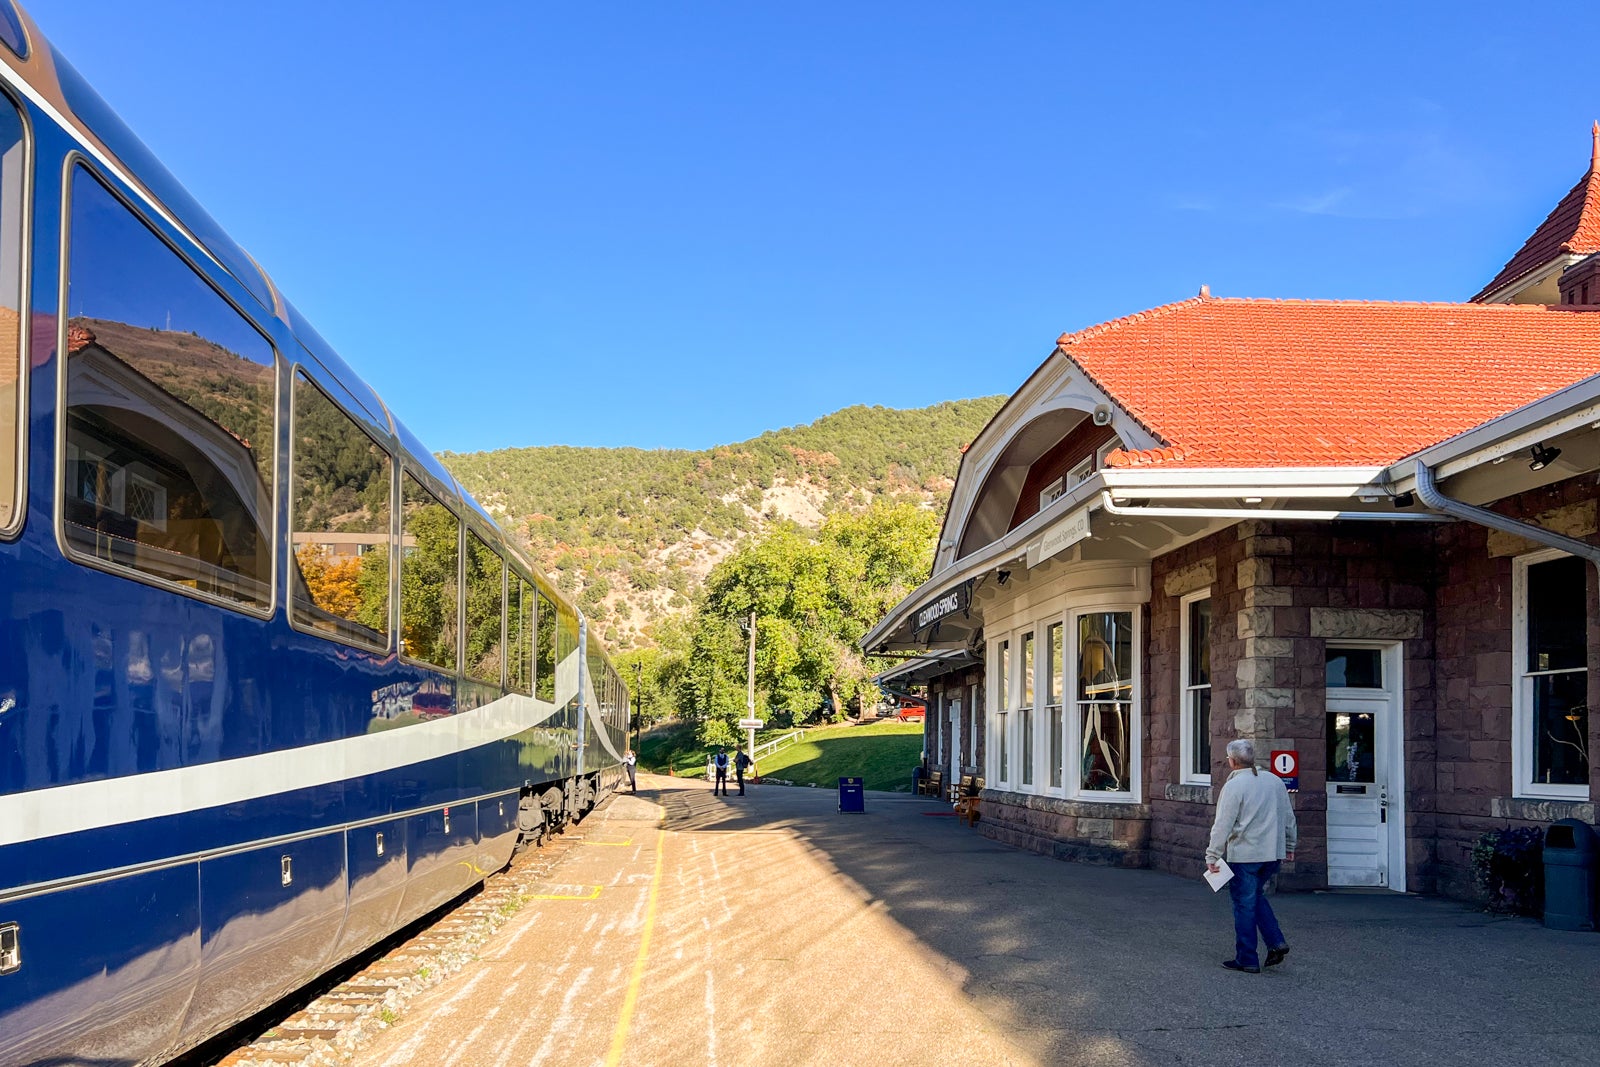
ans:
(1430, 495)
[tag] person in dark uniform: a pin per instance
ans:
(740, 763)
(719, 763)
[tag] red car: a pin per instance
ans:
(913, 713)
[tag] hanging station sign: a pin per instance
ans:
(952, 602)
(1060, 537)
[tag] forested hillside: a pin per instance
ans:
(633, 532)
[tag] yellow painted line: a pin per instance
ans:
(619, 1037)
(585, 892)
(609, 844)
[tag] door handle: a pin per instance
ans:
(1383, 806)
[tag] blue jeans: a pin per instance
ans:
(1251, 912)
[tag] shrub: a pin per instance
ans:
(1509, 865)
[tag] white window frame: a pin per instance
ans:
(1105, 450)
(1186, 693)
(1522, 783)
(1027, 746)
(1074, 746)
(1046, 726)
(997, 719)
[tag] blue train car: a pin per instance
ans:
(271, 683)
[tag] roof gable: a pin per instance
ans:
(1267, 383)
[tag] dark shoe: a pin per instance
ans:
(1235, 965)
(1275, 956)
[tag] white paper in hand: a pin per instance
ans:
(1218, 880)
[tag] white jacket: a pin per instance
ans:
(1255, 821)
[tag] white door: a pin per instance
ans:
(953, 775)
(1366, 838)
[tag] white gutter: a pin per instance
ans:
(1263, 513)
(1428, 492)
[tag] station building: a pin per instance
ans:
(1362, 534)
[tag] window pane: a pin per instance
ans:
(1354, 668)
(171, 412)
(1025, 722)
(568, 669)
(544, 671)
(1200, 642)
(1105, 656)
(1200, 727)
(1027, 670)
(429, 589)
(485, 606)
(1057, 725)
(1005, 674)
(1351, 747)
(1106, 747)
(11, 189)
(1005, 749)
(1557, 617)
(1561, 728)
(340, 522)
(1052, 685)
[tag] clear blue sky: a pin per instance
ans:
(681, 224)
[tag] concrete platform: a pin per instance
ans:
(770, 929)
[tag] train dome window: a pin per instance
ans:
(171, 412)
(12, 184)
(485, 611)
(519, 635)
(340, 531)
(429, 588)
(11, 29)
(544, 670)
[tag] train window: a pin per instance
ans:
(340, 522)
(569, 665)
(544, 672)
(430, 538)
(519, 635)
(12, 184)
(485, 611)
(171, 412)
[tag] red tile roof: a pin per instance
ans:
(1574, 226)
(1269, 383)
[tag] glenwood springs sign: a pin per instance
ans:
(957, 599)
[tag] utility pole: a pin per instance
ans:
(638, 703)
(750, 682)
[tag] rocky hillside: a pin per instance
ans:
(632, 533)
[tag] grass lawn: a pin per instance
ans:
(882, 754)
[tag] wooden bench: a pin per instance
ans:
(933, 785)
(967, 799)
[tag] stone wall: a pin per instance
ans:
(1474, 739)
(1112, 835)
(1280, 591)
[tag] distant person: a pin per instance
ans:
(719, 764)
(1254, 831)
(630, 764)
(740, 763)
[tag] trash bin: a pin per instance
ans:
(852, 797)
(1569, 875)
(917, 775)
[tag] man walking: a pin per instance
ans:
(719, 763)
(740, 763)
(1255, 830)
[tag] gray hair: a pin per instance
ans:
(1243, 751)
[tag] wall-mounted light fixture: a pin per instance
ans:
(1543, 456)
(1002, 577)
(1405, 500)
